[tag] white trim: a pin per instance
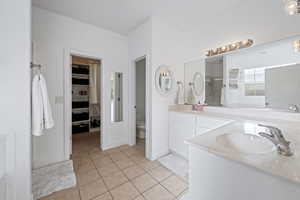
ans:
(68, 98)
(132, 134)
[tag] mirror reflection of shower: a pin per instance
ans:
(214, 81)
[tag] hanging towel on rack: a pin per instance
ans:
(41, 111)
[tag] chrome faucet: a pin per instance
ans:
(293, 108)
(276, 137)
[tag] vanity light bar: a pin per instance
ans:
(230, 47)
(292, 6)
(297, 45)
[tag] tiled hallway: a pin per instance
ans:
(122, 173)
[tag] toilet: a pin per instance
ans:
(140, 129)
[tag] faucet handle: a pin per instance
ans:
(273, 129)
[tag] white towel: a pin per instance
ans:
(41, 111)
(179, 96)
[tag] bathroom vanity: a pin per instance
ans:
(245, 145)
(228, 159)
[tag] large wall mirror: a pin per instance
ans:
(194, 82)
(262, 76)
(116, 97)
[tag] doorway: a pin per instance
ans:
(140, 102)
(86, 104)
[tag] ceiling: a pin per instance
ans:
(122, 16)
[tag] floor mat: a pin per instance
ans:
(53, 178)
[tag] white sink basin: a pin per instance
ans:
(246, 143)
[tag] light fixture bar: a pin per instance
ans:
(297, 45)
(292, 6)
(230, 47)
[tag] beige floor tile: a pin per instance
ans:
(149, 165)
(106, 170)
(125, 163)
(87, 177)
(140, 198)
(102, 161)
(133, 172)
(125, 192)
(138, 158)
(92, 190)
(49, 197)
(97, 154)
(160, 173)
(69, 194)
(115, 179)
(123, 147)
(118, 156)
(175, 185)
(130, 151)
(158, 193)
(85, 167)
(111, 151)
(144, 182)
(179, 197)
(105, 196)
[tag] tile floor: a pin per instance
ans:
(121, 173)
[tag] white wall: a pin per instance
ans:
(140, 44)
(169, 47)
(52, 34)
(174, 47)
(15, 115)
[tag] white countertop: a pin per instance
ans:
(286, 167)
(244, 121)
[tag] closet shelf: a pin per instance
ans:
(94, 129)
(78, 122)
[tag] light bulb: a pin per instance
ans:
(292, 7)
(297, 45)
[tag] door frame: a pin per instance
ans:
(132, 139)
(68, 53)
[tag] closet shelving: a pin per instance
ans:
(85, 115)
(80, 98)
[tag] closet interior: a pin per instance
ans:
(85, 95)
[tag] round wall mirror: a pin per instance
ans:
(198, 84)
(164, 80)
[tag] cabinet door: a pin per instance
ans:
(181, 127)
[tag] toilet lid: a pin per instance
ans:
(140, 123)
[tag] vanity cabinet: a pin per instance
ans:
(181, 127)
(186, 125)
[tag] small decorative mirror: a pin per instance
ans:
(164, 80)
(116, 97)
(198, 83)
